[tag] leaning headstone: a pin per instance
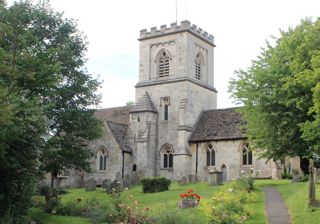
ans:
(182, 181)
(91, 185)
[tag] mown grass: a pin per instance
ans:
(42, 217)
(158, 203)
(296, 197)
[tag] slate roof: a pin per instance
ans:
(144, 104)
(119, 132)
(115, 114)
(218, 124)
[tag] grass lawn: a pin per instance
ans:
(156, 202)
(42, 217)
(296, 198)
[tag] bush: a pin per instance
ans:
(52, 205)
(245, 183)
(228, 204)
(43, 190)
(156, 184)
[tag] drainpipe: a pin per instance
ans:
(122, 165)
(197, 158)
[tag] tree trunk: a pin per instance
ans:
(312, 187)
(54, 175)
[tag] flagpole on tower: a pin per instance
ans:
(176, 11)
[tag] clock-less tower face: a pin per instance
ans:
(176, 72)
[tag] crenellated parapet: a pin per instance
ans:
(175, 28)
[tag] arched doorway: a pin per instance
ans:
(224, 173)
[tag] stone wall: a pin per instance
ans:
(227, 153)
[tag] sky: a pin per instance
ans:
(240, 29)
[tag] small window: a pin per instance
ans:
(165, 102)
(134, 168)
(102, 157)
(246, 155)
(167, 157)
(163, 63)
(211, 155)
(166, 111)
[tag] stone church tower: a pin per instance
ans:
(176, 83)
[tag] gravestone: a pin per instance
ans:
(105, 183)
(135, 178)
(215, 178)
(183, 181)
(91, 185)
(191, 178)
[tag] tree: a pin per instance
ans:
(280, 94)
(45, 96)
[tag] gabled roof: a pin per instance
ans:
(119, 132)
(115, 114)
(218, 124)
(144, 104)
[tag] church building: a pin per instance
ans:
(174, 129)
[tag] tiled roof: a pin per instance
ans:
(144, 104)
(218, 124)
(119, 132)
(114, 114)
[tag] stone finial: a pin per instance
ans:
(210, 37)
(199, 30)
(153, 30)
(194, 27)
(163, 28)
(173, 26)
(205, 34)
(185, 24)
(143, 33)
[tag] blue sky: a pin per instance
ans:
(240, 29)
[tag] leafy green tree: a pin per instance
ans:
(45, 96)
(280, 94)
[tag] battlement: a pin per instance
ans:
(174, 28)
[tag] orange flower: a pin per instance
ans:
(136, 202)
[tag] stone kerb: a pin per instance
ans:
(174, 27)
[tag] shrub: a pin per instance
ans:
(43, 190)
(52, 205)
(245, 183)
(155, 184)
(228, 204)
(114, 187)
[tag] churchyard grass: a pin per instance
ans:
(294, 194)
(296, 197)
(158, 203)
(41, 216)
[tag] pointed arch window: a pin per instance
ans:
(102, 158)
(167, 157)
(211, 155)
(246, 155)
(163, 63)
(199, 63)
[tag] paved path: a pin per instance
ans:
(276, 209)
